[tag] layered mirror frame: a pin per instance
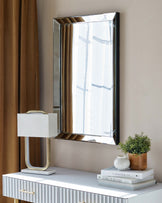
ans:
(86, 77)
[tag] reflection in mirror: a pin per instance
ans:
(86, 77)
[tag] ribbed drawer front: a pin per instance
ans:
(43, 193)
(74, 196)
(20, 189)
(29, 191)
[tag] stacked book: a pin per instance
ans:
(127, 179)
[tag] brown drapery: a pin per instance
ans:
(19, 80)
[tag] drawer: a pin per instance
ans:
(74, 196)
(20, 189)
(29, 191)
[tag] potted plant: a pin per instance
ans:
(137, 148)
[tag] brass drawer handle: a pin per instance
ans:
(27, 192)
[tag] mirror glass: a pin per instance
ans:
(86, 77)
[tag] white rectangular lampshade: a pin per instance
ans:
(37, 125)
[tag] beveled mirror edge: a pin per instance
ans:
(117, 77)
(86, 18)
(100, 139)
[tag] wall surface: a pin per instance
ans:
(140, 78)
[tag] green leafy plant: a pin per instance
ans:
(139, 144)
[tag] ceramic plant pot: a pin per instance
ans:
(121, 162)
(138, 162)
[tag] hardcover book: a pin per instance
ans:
(134, 186)
(127, 173)
(124, 179)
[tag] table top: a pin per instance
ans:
(80, 180)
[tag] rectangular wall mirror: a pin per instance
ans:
(86, 77)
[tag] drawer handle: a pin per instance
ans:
(27, 192)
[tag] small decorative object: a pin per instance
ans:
(121, 162)
(137, 148)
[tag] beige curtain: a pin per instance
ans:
(19, 80)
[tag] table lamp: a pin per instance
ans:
(37, 124)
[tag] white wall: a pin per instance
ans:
(140, 77)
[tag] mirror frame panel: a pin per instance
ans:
(57, 100)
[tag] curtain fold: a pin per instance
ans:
(19, 80)
(29, 73)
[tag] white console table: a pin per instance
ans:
(72, 186)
